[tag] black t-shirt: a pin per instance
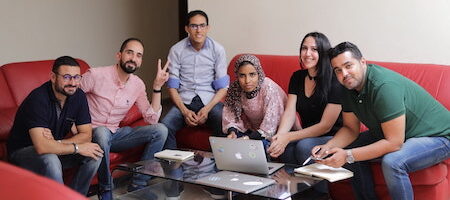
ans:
(39, 109)
(311, 108)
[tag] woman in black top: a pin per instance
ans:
(314, 93)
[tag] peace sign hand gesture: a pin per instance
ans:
(161, 75)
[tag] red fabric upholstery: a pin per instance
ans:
(17, 80)
(430, 183)
(278, 68)
(17, 183)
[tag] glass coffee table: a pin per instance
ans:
(287, 183)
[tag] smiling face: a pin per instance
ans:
(197, 29)
(248, 77)
(350, 71)
(66, 87)
(309, 56)
(130, 59)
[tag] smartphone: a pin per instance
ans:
(130, 166)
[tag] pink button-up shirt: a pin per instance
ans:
(110, 100)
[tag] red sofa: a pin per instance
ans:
(17, 183)
(17, 80)
(430, 183)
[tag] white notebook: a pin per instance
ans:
(177, 155)
(326, 172)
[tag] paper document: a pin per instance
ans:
(326, 172)
(175, 155)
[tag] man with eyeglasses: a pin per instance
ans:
(39, 138)
(111, 92)
(198, 80)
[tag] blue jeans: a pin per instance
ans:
(174, 120)
(297, 152)
(52, 165)
(152, 136)
(415, 154)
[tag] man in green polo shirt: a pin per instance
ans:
(408, 128)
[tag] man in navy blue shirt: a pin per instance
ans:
(39, 141)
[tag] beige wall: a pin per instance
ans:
(385, 30)
(86, 29)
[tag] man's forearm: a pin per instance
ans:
(83, 135)
(220, 94)
(343, 138)
(176, 99)
(44, 145)
(156, 99)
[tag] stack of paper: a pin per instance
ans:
(326, 172)
(177, 155)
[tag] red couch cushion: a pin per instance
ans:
(17, 183)
(22, 79)
(277, 68)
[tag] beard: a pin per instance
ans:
(67, 92)
(128, 69)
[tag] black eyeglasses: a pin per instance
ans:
(68, 77)
(197, 26)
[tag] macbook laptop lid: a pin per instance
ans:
(235, 181)
(241, 155)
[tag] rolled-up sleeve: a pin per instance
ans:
(150, 116)
(221, 79)
(174, 69)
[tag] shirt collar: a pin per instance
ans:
(116, 77)
(52, 95)
(206, 45)
(365, 88)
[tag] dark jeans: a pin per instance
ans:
(152, 136)
(415, 154)
(52, 165)
(174, 120)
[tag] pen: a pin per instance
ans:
(310, 157)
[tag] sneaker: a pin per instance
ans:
(215, 193)
(133, 187)
(105, 195)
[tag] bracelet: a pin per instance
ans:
(75, 147)
(156, 91)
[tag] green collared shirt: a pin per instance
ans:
(387, 95)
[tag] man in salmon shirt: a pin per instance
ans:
(111, 92)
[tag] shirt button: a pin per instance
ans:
(360, 101)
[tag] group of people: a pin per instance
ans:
(73, 119)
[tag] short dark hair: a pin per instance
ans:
(344, 47)
(64, 60)
(124, 43)
(194, 13)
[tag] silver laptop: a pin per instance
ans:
(235, 181)
(241, 155)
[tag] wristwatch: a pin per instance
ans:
(350, 159)
(75, 148)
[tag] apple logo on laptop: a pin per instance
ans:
(238, 155)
